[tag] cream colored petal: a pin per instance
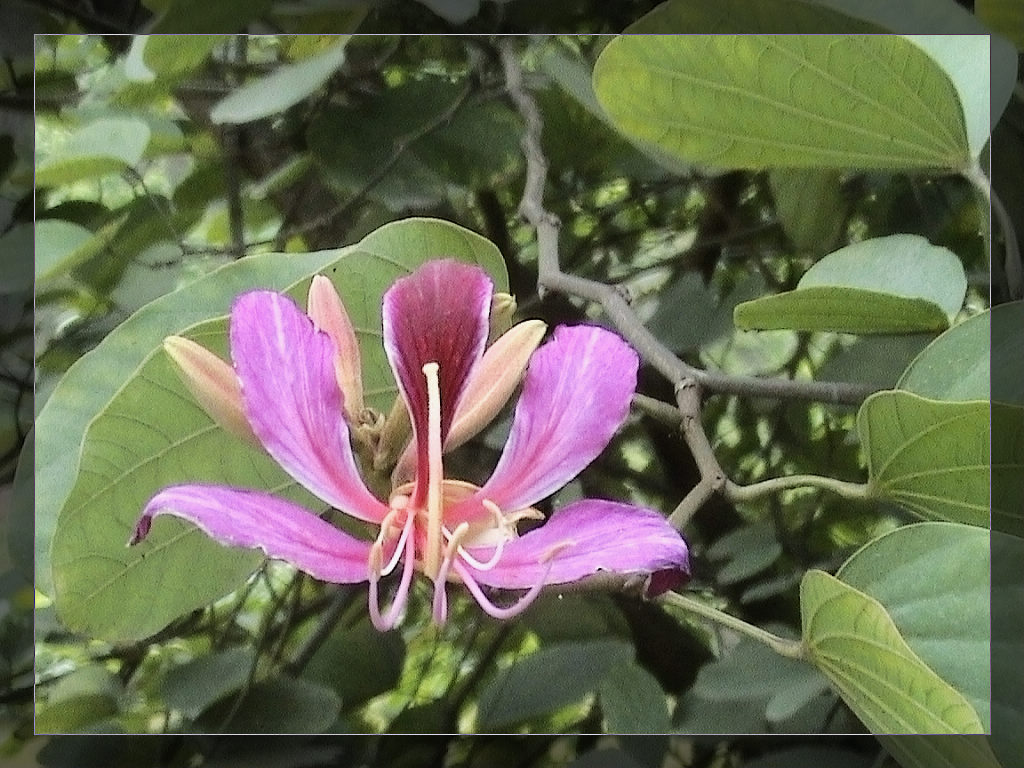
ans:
(494, 379)
(328, 314)
(213, 384)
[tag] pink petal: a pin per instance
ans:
(436, 314)
(576, 394)
(586, 537)
(284, 531)
(293, 402)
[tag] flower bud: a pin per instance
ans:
(213, 384)
(328, 314)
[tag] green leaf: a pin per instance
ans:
(893, 284)
(851, 101)
(931, 457)
(145, 432)
(1007, 347)
(846, 310)
(632, 701)
(280, 705)
(16, 245)
(62, 246)
(168, 57)
(351, 144)
(933, 579)
(811, 206)
(850, 637)
(553, 677)
(358, 663)
(196, 685)
(902, 265)
(941, 751)
(193, 16)
(1003, 16)
(749, 550)
(955, 365)
(107, 145)
(878, 359)
(87, 695)
(284, 88)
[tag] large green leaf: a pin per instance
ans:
(280, 705)
(893, 284)
(933, 579)
(285, 87)
(930, 456)
(168, 57)
(1007, 345)
(850, 637)
(195, 685)
(632, 701)
(146, 432)
(755, 101)
(553, 677)
(107, 145)
(970, 751)
(955, 366)
(845, 310)
(1004, 16)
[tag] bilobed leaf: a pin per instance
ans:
(1003, 16)
(197, 684)
(840, 309)
(929, 456)
(107, 145)
(358, 663)
(955, 365)
(894, 284)
(145, 432)
(802, 101)
(280, 705)
(903, 265)
(632, 701)
(810, 205)
(553, 677)
(850, 637)
(933, 579)
(61, 246)
(1007, 347)
(181, 17)
(168, 57)
(284, 88)
(962, 751)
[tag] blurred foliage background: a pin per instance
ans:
(421, 125)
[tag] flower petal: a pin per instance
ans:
(436, 314)
(576, 394)
(326, 310)
(293, 402)
(586, 537)
(284, 531)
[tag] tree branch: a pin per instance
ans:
(612, 300)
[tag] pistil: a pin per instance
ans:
(435, 473)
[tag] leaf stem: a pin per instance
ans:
(735, 492)
(792, 649)
(1012, 268)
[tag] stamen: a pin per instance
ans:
(435, 472)
(384, 622)
(490, 608)
(397, 554)
(440, 607)
(499, 548)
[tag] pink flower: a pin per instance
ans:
(575, 395)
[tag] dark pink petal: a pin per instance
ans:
(586, 537)
(291, 398)
(284, 531)
(576, 394)
(436, 314)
